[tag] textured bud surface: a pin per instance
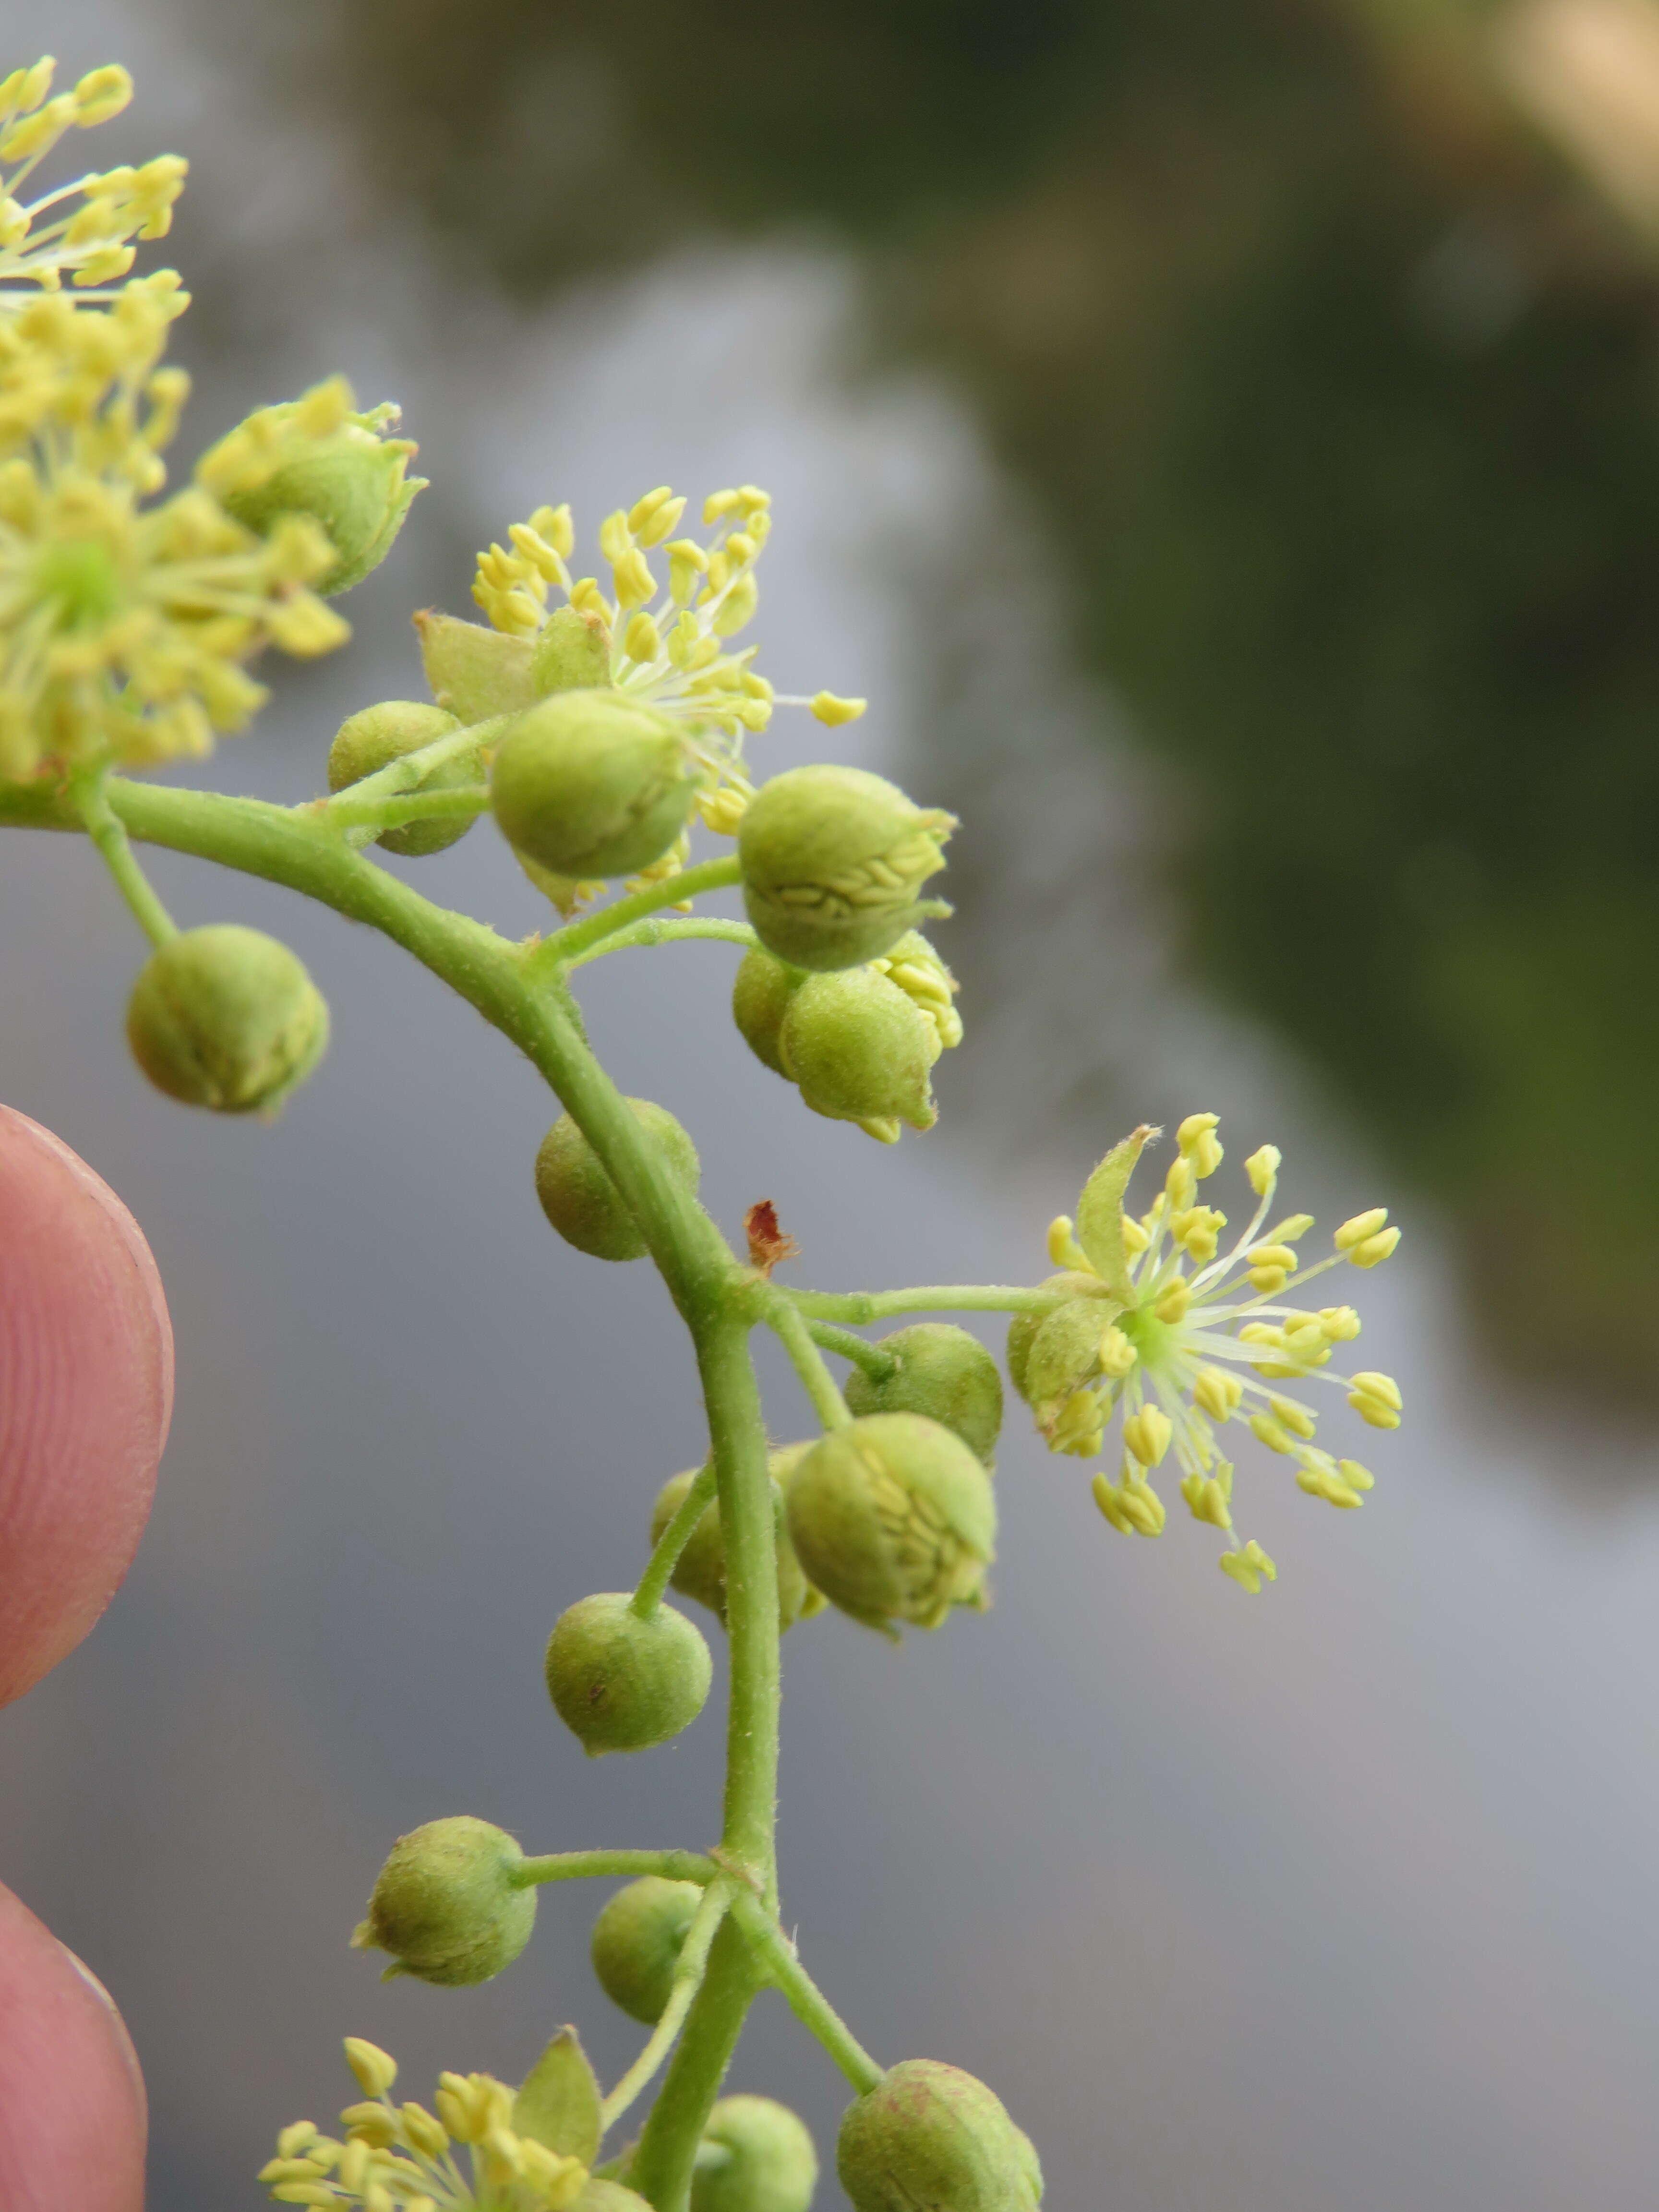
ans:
(756, 2157)
(930, 2138)
(1024, 1327)
(351, 482)
(861, 1050)
(700, 1571)
(894, 1519)
(579, 1197)
(571, 653)
(620, 1683)
(637, 1940)
(475, 673)
(760, 998)
(375, 737)
(942, 1372)
(590, 785)
(833, 859)
(445, 1906)
(226, 1017)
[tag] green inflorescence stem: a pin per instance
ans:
(576, 1866)
(791, 1330)
(673, 1540)
(687, 1980)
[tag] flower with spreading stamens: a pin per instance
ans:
(1180, 1339)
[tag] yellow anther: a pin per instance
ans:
(1367, 1255)
(556, 528)
(373, 2122)
(101, 94)
(723, 810)
(1147, 1434)
(1205, 1499)
(616, 539)
(587, 599)
(1197, 1139)
(831, 709)
(1359, 1227)
(421, 2132)
(1080, 1425)
(1267, 1430)
(740, 549)
(288, 2169)
(1380, 1386)
(1297, 1419)
(1376, 1400)
(1171, 1305)
(375, 2069)
(1217, 1393)
(304, 2192)
(633, 580)
(1278, 1257)
(738, 607)
(646, 510)
(1131, 1507)
(1340, 1323)
(721, 503)
(641, 640)
(1196, 1229)
(1117, 1354)
(1323, 1482)
(294, 2137)
(354, 2163)
(1249, 1568)
(1262, 1168)
(1181, 1184)
(1064, 1250)
(1135, 1239)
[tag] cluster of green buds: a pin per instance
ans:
(1154, 1323)
(859, 1043)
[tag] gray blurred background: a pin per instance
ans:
(1339, 1896)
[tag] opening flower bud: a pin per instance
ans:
(860, 1048)
(621, 1683)
(571, 652)
(833, 859)
(894, 1519)
(637, 1940)
(590, 785)
(227, 1018)
(940, 1371)
(349, 479)
(375, 737)
(754, 2156)
(930, 2134)
(700, 1571)
(446, 1904)
(760, 999)
(475, 672)
(579, 1199)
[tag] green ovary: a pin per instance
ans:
(80, 580)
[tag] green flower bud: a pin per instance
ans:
(375, 737)
(475, 672)
(571, 652)
(929, 2135)
(861, 1050)
(942, 1372)
(1024, 1327)
(608, 2197)
(833, 859)
(754, 2156)
(621, 1683)
(894, 1519)
(637, 1941)
(226, 1017)
(590, 785)
(351, 481)
(579, 1199)
(446, 1904)
(700, 1571)
(760, 999)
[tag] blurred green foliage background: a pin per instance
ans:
(1336, 383)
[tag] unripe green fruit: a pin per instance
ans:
(755, 2156)
(353, 484)
(373, 738)
(475, 672)
(760, 999)
(569, 652)
(637, 1941)
(861, 1050)
(579, 1199)
(590, 785)
(621, 1683)
(894, 1519)
(227, 1018)
(833, 859)
(700, 1571)
(446, 1904)
(942, 1372)
(1024, 1328)
(930, 2138)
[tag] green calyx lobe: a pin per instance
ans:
(1024, 1329)
(700, 1571)
(590, 785)
(559, 2104)
(571, 652)
(754, 2156)
(930, 2136)
(894, 1519)
(940, 1371)
(621, 1682)
(354, 485)
(227, 1018)
(579, 1197)
(446, 1906)
(375, 737)
(833, 859)
(476, 673)
(637, 1941)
